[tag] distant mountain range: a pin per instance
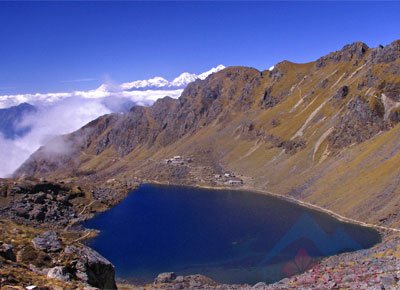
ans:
(160, 83)
(10, 118)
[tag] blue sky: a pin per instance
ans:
(50, 46)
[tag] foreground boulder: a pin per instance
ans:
(92, 268)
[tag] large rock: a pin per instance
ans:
(47, 242)
(7, 252)
(268, 101)
(342, 93)
(165, 278)
(37, 213)
(92, 268)
(59, 273)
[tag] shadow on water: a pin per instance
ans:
(228, 235)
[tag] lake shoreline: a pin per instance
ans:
(333, 266)
(252, 190)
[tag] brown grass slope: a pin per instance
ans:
(325, 132)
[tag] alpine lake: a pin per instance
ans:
(231, 236)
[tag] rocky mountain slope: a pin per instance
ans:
(325, 132)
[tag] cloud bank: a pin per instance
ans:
(49, 121)
(62, 113)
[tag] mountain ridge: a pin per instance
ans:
(324, 132)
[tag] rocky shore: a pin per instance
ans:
(41, 239)
(374, 268)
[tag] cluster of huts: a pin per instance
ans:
(229, 179)
(177, 160)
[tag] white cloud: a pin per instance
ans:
(13, 100)
(11, 156)
(49, 121)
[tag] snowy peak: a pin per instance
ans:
(183, 80)
(160, 83)
(156, 82)
(211, 71)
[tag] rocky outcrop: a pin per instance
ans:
(342, 93)
(354, 51)
(362, 121)
(165, 278)
(391, 90)
(43, 202)
(47, 242)
(289, 146)
(386, 54)
(92, 268)
(268, 101)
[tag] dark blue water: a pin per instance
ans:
(230, 236)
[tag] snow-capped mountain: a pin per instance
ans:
(156, 82)
(161, 83)
(183, 80)
(211, 71)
